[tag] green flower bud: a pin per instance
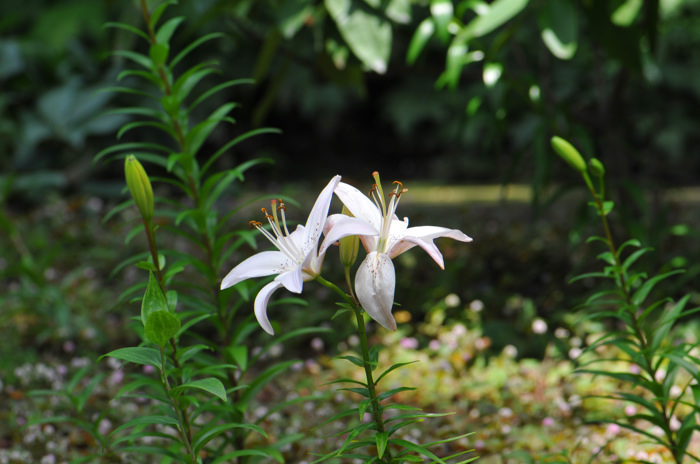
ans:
(596, 167)
(140, 186)
(349, 246)
(569, 153)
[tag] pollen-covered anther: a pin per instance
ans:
(255, 224)
(396, 182)
(267, 215)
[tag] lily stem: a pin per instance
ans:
(639, 333)
(366, 360)
(367, 363)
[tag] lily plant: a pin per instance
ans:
(375, 280)
(298, 258)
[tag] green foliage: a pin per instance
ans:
(203, 390)
(641, 338)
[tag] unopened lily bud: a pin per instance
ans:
(349, 246)
(140, 186)
(596, 167)
(569, 153)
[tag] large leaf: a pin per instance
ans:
(161, 326)
(499, 12)
(153, 299)
(368, 35)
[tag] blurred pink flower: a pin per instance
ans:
(117, 376)
(409, 343)
(613, 429)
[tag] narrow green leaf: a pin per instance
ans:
(205, 435)
(137, 58)
(393, 391)
(199, 133)
(210, 385)
(165, 32)
(147, 420)
(187, 50)
(417, 448)
(128, 27)
(382, 439)
(353, 359)
(424, 32)
(136, 355)
(641, 294)
(395, 366)
(158, 11)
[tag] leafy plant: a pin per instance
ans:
(642, 333)
(299, 257)
(203, 391)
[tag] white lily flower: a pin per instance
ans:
(375, 280)
(298, 258)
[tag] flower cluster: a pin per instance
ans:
(299, 258)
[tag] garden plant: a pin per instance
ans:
(137, 326)
(641, 332)
(201, 392)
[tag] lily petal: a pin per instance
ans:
(375, 282)
(423, 236)
(262, 264)
(359, 204)
(344, 226)
(261, 305)
(318, 214)
(292, 280)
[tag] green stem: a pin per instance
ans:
(153, 247)
(639, 333)
(181, 416)
(366, 361)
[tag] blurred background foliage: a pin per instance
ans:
(434, 92)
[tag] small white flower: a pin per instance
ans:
(375, 280)
(539, 326)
